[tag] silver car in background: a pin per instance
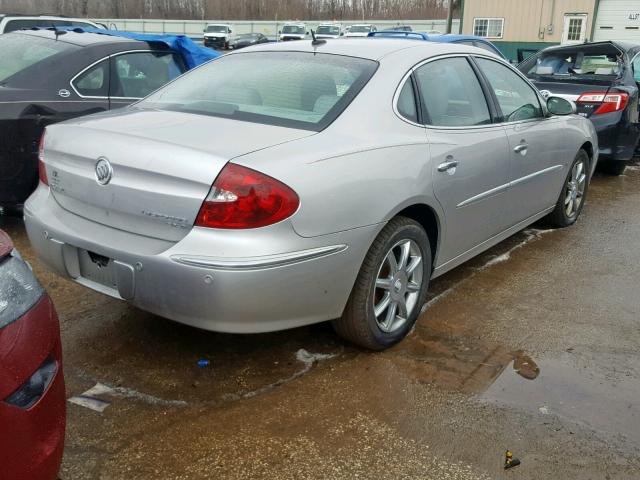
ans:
(288, 184)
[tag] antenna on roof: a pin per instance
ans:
(57, 32)
(315, 42)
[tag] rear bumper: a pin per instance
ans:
(32, 441)
(617, 138)
(230, 281)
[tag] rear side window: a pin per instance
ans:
(517, 100)
(452, 94)
(407, 102)
(291, 89)
(94, 82)
(136, 75)
(20, 52)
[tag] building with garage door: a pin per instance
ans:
(617, 20)
(520, 27)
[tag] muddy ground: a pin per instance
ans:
(531, 347)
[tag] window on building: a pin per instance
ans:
(488, 27)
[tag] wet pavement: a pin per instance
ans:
(532, 347)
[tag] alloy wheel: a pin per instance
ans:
(576, 184)
(398, 284)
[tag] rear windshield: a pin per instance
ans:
(291, 89)
(21, 51)
(601, 62)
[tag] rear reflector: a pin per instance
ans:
(610, 102)
(42, 171)
(244, 198)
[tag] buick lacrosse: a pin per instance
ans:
(294, 183)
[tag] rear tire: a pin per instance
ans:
(612, 167)
(573, 193)
(403, 243)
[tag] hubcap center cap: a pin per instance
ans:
(399, 286)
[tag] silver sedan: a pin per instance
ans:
(295, 183)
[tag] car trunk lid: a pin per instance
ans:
(571, 90)
(161, 166)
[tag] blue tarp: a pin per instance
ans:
(192, 53)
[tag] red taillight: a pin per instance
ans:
(610, 102)
(42, 171)
(243, 198)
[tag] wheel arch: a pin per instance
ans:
(428, 217)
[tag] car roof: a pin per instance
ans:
(453, 37)
(370, 48)
(81, 39)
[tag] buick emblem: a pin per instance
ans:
(545, 93)
(104, 171)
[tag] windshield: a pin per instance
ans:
(291, 89)
(594, 62)
(21, 51)
(360, 28)
(298, 30)
(217, 29)
(328, 30)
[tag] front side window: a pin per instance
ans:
(452, 94)
(94, 82)
(136, 75)
(293, 89)
(518, 101)
(20, 52)
(488, 27)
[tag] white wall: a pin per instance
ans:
(194, 28)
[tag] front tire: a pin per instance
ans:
(390, 289)
(612, 167)
(573, 194)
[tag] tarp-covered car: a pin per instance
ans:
(50, 75)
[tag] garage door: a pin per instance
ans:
(618, 20)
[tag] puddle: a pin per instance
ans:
(601, 400)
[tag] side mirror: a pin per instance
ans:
(341, 34)
(279, 32)
(560, 106)
(307, 33)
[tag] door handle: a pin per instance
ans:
(447, 166)
(521, 149)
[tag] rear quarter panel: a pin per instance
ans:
(361, 170)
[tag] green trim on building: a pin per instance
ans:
(510, 49)
(461, 17)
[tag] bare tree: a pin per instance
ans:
(236, 9)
